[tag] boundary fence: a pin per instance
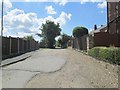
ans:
(15, 46)
(106, 39)
(83, 43)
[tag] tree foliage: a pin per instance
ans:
(50, 30)
(28, 38)
(79, 31)
(63, 40)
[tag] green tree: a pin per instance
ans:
(50, 30)
(43, 44)
(64, 40)
(79, 31)
(28, 38)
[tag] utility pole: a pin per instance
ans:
(1, 32)
(2, 19)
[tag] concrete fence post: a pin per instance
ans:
(73, 43)
(10, 51)
(78, 44)
(18, 45)
(30, 45)
(88, 43)
(23, 46)
(26, 45)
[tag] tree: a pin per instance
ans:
(28, 38)
(79, 31)
(50, 30)
(42, 44)
(64, 40)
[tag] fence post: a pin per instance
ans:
(1, 48)
(18, 44)
(26, 45)
(88, 42)
(78, 44)
(10, 45)
(23, 45)
(72, 43)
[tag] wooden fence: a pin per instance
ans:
(106, 39)
(99, 39)
(16, 46)
(83, 43)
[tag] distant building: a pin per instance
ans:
(106, 35)
(112, 36)
(113, 15)
(102, 28)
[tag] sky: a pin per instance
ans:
(26, 17)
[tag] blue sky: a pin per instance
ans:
(69, 15)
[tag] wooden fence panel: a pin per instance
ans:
(5, 46)
(15, 46)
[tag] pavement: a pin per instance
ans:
(13, 60)
(0, 78)
(21, 72)
(16, 59)
(60, 68)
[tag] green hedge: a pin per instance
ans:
(111, 54)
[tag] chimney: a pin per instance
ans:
(95, 27)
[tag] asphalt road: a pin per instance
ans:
(60, 68)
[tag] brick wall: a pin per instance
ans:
(113, 14)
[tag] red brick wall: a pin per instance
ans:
(113, 13)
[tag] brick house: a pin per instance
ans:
(113, 17)
(112, 36)
(106, 35)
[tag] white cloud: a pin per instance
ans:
(84, 1)
(61, 2)
(62, 19)
(50, 10)
(19, 23)
(7, 5)
(102, 5)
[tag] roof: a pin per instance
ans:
(98, 29)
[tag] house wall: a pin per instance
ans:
(113, 14)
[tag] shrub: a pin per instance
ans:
(94, 52)
(111, 54)
(79, 31)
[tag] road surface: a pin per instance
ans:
(60, 68)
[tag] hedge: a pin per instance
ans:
(110, 54)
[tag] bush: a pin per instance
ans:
(79, 31)
(111, 54)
